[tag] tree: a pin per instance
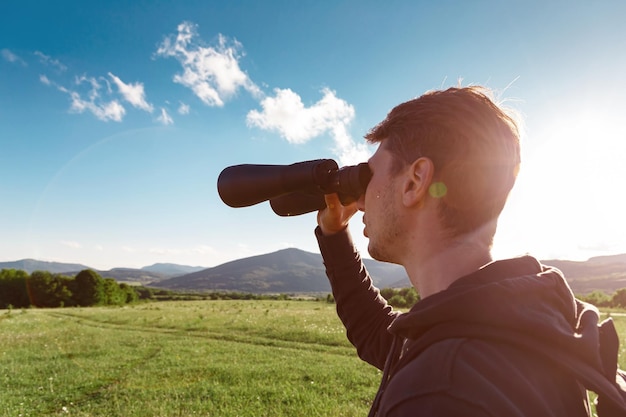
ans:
(597, 298)
(62, 291)
(129, 292)
(113, 293)
(387, 293)
(619, 298)
(89, 288)
(397, 301)
(144, 293)
(400, 298)
(13, 289)
(48, 290)
(410, 295)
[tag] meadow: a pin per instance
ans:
(185, 358)
(191, 358)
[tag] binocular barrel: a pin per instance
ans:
(292, 189)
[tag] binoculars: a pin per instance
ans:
(292, 189)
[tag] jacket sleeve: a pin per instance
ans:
(363, 311)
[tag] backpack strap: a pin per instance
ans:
(609, 348)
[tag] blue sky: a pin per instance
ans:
(117, 118)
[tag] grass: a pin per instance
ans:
(209, 358)
(192, 358)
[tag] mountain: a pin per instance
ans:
(149, 274)
(172, 269)
(31, 265)
(293, 270)
(297, 271)
(145, 275)
(284, 271)
(604, 273)
(133, 275)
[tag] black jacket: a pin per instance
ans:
(507, 340)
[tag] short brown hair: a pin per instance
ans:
(474, 146)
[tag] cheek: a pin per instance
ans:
(371, 195)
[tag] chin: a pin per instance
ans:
(379, 255)
(375, 254)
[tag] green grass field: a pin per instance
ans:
(191, 358)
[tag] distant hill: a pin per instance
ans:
(604, 273)
(172, 269)
(284, 271)
(145, 275)
(296, 271)
(31, 265)
(133, 275)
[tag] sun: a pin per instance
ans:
(570, 199)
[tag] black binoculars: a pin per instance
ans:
(292, 189)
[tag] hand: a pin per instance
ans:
(335, 217)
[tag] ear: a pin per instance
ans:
(419, 176)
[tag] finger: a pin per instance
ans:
(332, 201)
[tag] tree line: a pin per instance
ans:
(406, 297)
(396, 297)
(18, 289)
(602, 299)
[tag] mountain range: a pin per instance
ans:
(145, 275)
(285, 271)
(296, 271)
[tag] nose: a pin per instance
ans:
(360, 203)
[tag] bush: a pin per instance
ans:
(400, 298)
(619, 298)
(13, 289)
(90, 288)
(597, 298)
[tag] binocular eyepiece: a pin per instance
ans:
(292, 189)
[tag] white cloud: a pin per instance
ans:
(112, 110)
(211, 72)
(214, 75)
(165, 118)
(183, 108)
(11, 57)
(71, 244)
(287, 115)
(94, 93)
(205, 250)
(103, 110)
(46, 60)
(133, 93)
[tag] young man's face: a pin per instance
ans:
(379, 205)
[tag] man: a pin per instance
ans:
(504, 338)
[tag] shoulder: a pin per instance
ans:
(435, 378)
(474, 377)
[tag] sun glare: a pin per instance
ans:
(569, 201)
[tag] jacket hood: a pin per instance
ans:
(517, 295)
(521, 302)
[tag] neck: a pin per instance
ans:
(436, 267)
